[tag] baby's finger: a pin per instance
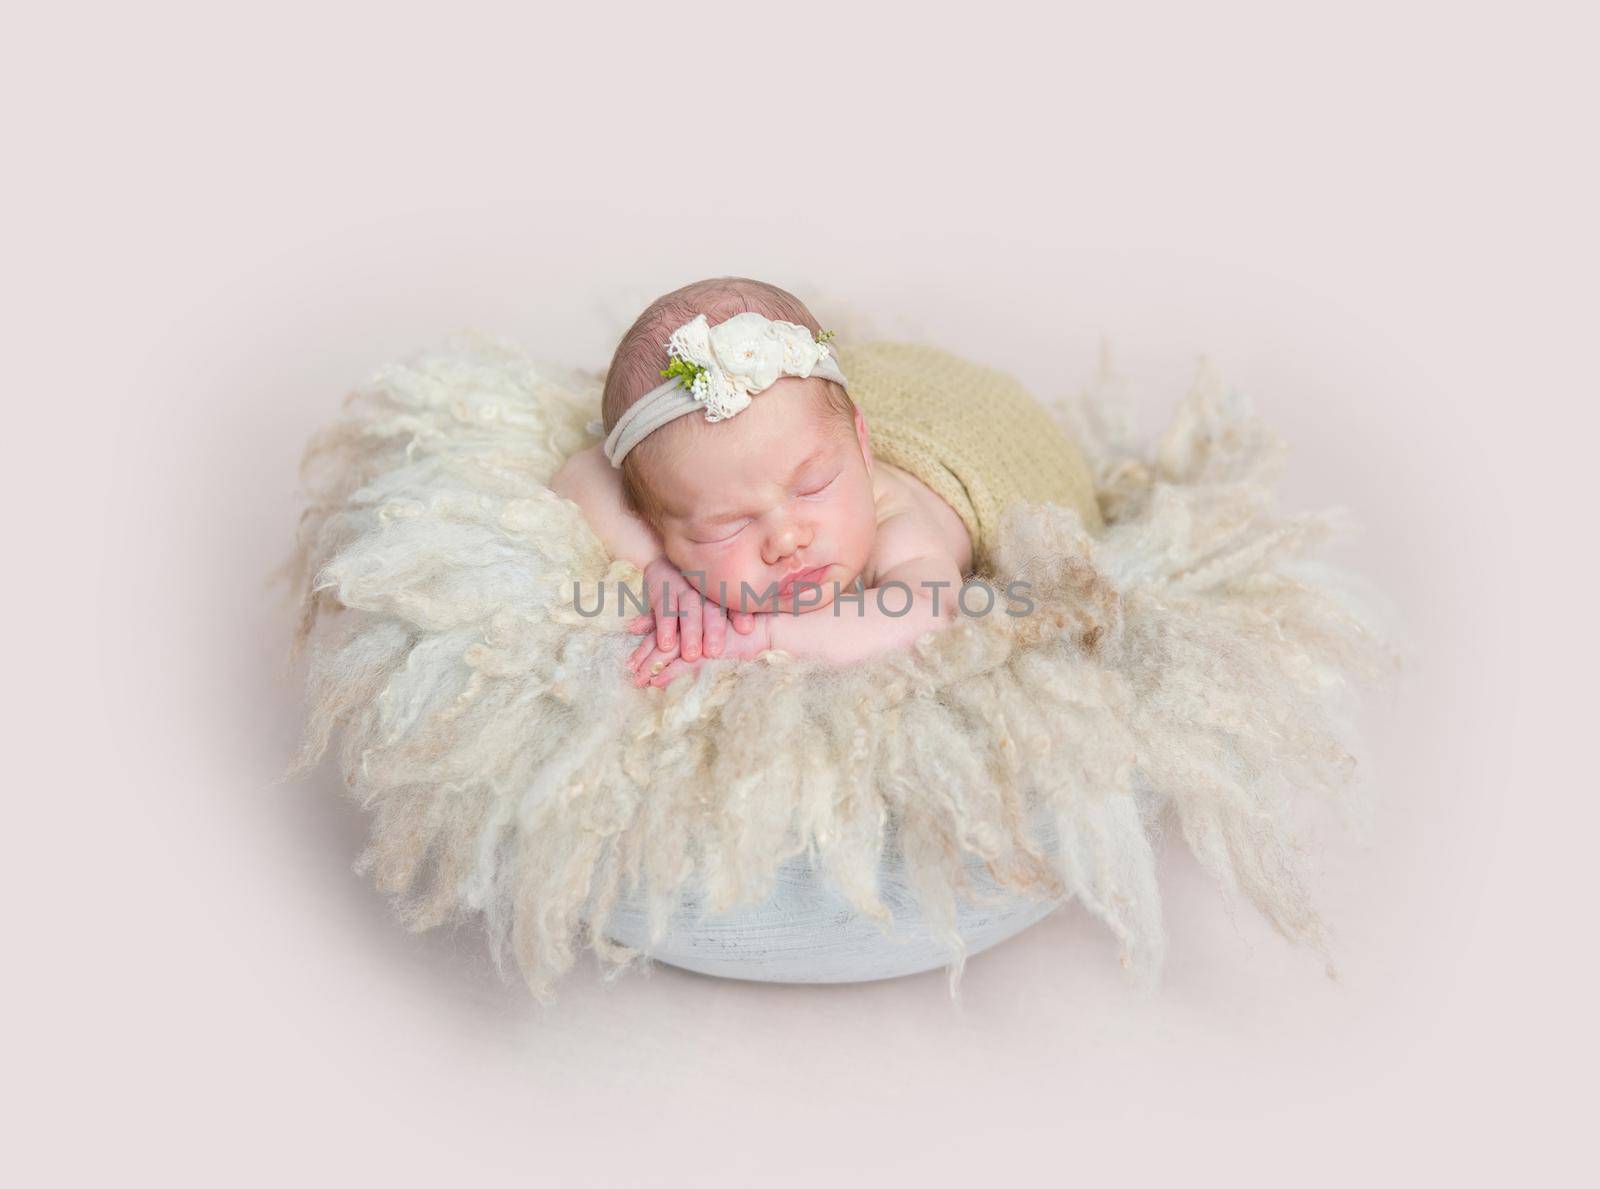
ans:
(716, 630)
(667, 627)
(690, 627)
(646, 647)
(651, 666)
(672, 669)
(641, 623)
(743, 622)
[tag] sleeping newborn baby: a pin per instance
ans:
(780, 492)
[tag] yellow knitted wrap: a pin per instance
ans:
(971, 433)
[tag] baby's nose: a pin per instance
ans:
(783, 541)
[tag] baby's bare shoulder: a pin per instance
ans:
(914, 522)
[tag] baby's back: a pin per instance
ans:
(972, 434)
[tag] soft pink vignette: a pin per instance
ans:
(1396, 275)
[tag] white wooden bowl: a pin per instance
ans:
(805, 932)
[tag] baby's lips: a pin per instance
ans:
(809, 574)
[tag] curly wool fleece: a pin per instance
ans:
(1186, 666)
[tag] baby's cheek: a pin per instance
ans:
(855, 529)
(724, 575)
(701, 572)
(729, 573)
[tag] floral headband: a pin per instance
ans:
(718, 369)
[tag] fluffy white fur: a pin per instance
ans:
(1184, 667)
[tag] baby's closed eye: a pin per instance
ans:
(716, 536)
(819, 490)
(705, 539)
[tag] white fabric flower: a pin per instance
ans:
(742, 356)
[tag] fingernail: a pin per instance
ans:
(657, 667)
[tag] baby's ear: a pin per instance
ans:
(864, 438)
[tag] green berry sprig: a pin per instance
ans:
(686, 372)
(824, 335)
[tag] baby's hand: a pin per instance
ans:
(699, 627)
(657, 666)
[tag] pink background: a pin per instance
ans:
(1378, 221)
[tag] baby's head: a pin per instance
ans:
(784, 486)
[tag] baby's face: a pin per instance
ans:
(781, 487)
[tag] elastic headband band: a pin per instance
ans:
(718, 369)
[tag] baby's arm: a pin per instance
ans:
(589, 480)
(915, 584)
(927, 586)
